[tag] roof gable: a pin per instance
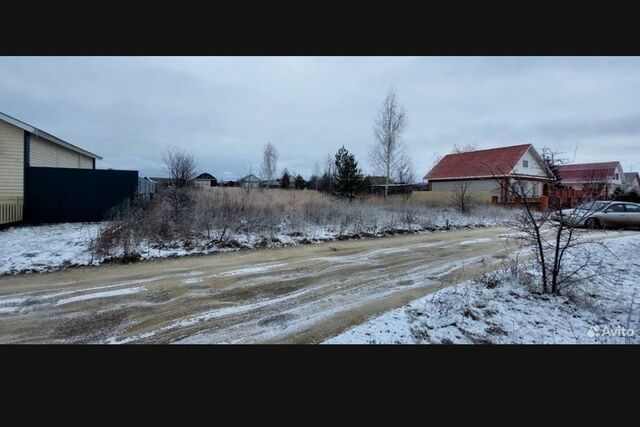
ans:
(587, 172)
(44, 135)
(250, 177)
(205, 175)
(629, 177)
(478, 163)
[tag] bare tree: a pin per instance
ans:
(460, 197)
(406, 172)
(551, 232)
(180, 165)
(457, 149)
(269, 163)
(326, 180)
(388, 151)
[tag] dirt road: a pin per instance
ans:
(302, 294)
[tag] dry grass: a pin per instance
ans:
(231, 216)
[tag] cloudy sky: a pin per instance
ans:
(225, 109)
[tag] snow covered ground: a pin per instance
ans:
(604, 309)
(53, 247)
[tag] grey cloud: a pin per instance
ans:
(225, 109)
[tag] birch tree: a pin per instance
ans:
(388, 152)
(269, 163)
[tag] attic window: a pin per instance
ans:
(617, 177)
(525, 163)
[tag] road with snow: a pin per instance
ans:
(303, 294)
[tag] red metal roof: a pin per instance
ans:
(587, 172)
(492, 161)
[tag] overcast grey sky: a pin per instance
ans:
(225, 109)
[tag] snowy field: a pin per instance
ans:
(604, 309)
(54, 247)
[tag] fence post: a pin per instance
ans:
(544, 203)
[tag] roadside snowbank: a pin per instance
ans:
(53, 247)
(606, 309)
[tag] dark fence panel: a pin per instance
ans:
(74, 195)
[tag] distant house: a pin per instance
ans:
(489, 171)
(146, 187)
(161, 183)
(377, 180)
(632, 182)
(205, 180)
(595, 179)
(376, 185)
(250, 181)
(274, 183)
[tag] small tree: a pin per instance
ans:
(406, 173)
(460, 197)
(285, 181)
(316, 174)
(348, 179)
(181, 167)
(325, 182)
(299, 182)
(551, 248)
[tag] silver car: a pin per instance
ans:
(602, 214)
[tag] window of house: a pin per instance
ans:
(525, 163)
(617, 177)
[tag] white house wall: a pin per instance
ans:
(535, 168)
(620, 182)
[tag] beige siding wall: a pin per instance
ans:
(484, 185)
(48, 154)
(86, 162)
(43, 153)
(11, 161)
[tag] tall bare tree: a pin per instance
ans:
(269, 163)
(388, 151)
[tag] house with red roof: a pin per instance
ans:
(597, 179)
(488, 171)
(632, 181)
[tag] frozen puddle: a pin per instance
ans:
(478, 240)
(105, 294)
(252, 270)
